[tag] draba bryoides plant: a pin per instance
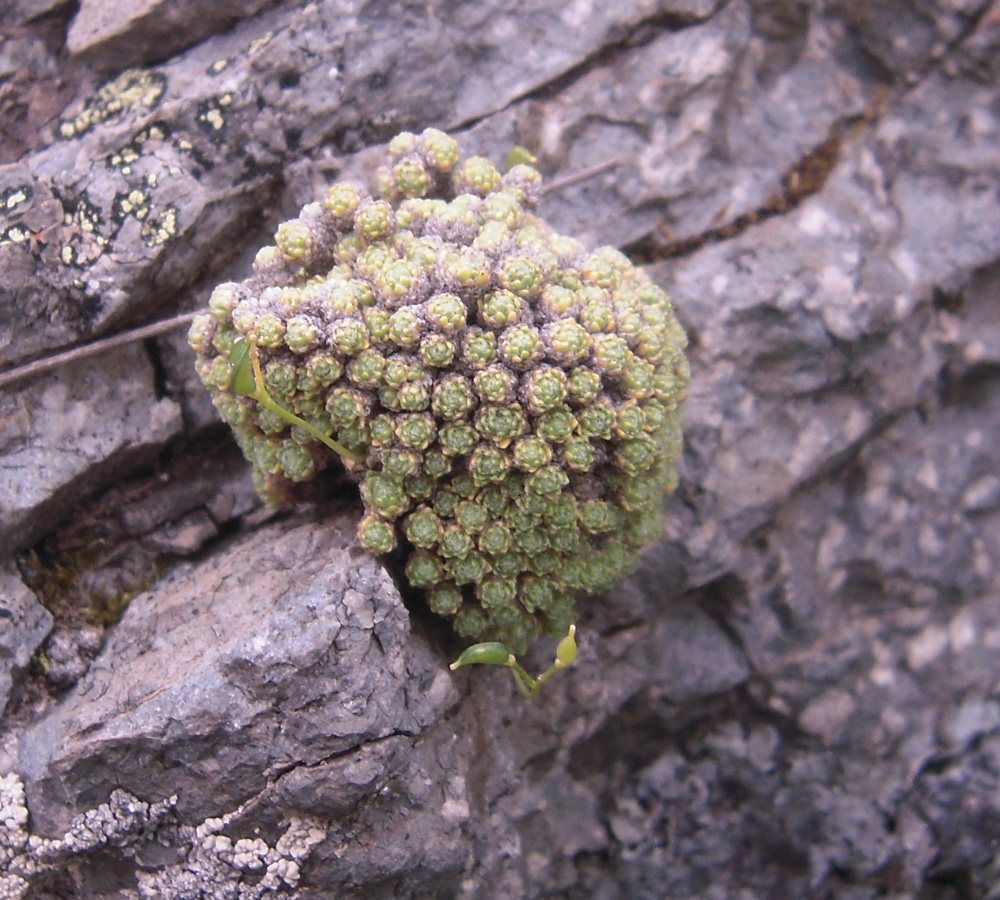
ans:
(508, 401)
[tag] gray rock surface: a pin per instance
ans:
(116, 35)
(797, 693)
(24, 624)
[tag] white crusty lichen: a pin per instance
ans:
(210, 863)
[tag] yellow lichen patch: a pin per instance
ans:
(15, 197)
(127, 156)
(133, 87)
(216, 67)
(260, 43)
(159, 230)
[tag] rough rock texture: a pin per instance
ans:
(796, 695)
(26, 623)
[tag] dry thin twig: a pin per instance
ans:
(118, 340)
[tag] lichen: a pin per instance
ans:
(508, 401)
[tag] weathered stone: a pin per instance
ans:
(804, 668)
(113, 36)
(319, 666)
(24, 624)
(67, 432)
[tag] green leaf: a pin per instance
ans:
(490, 654)
(242, 381)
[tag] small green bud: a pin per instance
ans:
(342, 200)
(471, 516)
(548, 480)
(280, 379)
(375, 220)
(520, 347)
(566, 649)
(503, 207)
(532, 453)
(345, 405)
(493, 237)
(501, 424)
(488, 464)
(611, 353)
(350, 336)
(420, 486)
(384, 494)
(496, 592)
(270, 331)
(477, 175)
(365, 370)
(599, 517)
(455, 543)
(223, 301)
(508, 565)
(293, 239)
(557, 425)
(597, 314)
(470, 569)
(324, 368)
(416, 430)
(405, 327)
(201, 332)
(636, 456)
(440, 151)
(423, 528)
(399, 281)
(403, 144)
(436, 464)
(566, 341)
(424, 569)
(499, 309)
(411, 178)
(630, 422)
(437, 351)
(296, 462)
(457, 440)
(578, 454)
(495, 539)
(530, 542)
(376, 535)
(479, 348)
(544, 388)
(399, 464)
(470, 622)
(446, 313)
(382, 430)
(522, 275)
(535, 593)
(464, 269)
(413, 397)
(301, 335)
(445, 599)
(453, 397)
(598, 420)
(495, 384)
(583, 385)
(377, 323)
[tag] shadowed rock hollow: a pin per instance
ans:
(794, 696)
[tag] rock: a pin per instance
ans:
(113, 36)
(24, 624)
(64, 429)
(319, 668)
(803, 668)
